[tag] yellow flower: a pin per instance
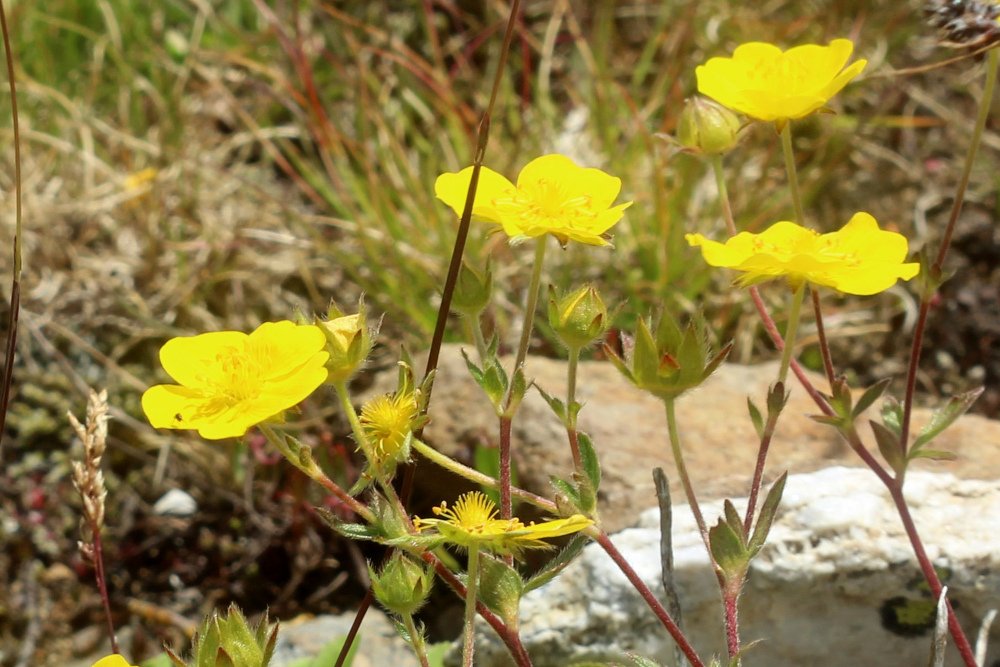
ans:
(386, 421)
(112, 661)
(860, 258)
(552, 196)
(766, 83)
(472, 522)
(230, 381)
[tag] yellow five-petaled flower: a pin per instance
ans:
(472, 524)
(552, 196)
(859, 259)
(114, 660)
(766, 83)
(229, 381)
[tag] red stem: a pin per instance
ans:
(511, 639)
(731, 605)
(824, 347)
(758, 472)
(102, 586)
(647, 595)
(506, 507)
(958, 636)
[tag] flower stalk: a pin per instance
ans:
(471, 584)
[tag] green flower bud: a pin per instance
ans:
(706, 127)
(403, 584)
(472, 290)
(348, 340)
(230, 640)
(672, 362)
(579, 317)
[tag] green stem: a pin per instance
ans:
(474, 331)
(315, 473)
(471, 583)
(793, 177)
(675, 446)
(720, 184)
(416, 639)
(476, 477)
(794, 314)
(532, 303)
(574, 442)
(352, 416)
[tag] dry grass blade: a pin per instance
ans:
(15, 289)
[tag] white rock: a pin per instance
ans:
(836, 554)
(175, 503)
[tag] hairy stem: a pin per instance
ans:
(793, 176)
(471, 583)
(675, 447)
(574, 440)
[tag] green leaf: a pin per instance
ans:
(556, 405)
(500, 587)
(557, 564)
(641, 661)
(354, 531)
(588, 458)
(565, 489)
(777, 397)
(486, 460)
(518, 388)
(734, 520)
(436, 653)
(870, 395)
(756, 418)
(892, 415)
(766, 516)
(161, 660)
(888, 444)
(945, 416)
(933, 454)
(728, 551)
(329, 653)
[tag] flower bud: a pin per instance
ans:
(579, 317)
(706, 127)
(403, 584)
(671, 361)
(348, 341)
(472, 290)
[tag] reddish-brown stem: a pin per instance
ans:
(911, 374)
(730, 601)
(657, 608)
(779, 342)
(758, 472)
(824, 347)
(102, 585)
(574, 447)
(957, 634)
(510, 639)
(506, 507)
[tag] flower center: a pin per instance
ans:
(240, 371)
(545, 203)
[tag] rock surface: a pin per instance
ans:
(628, 428)
(837, 560)
(379, 644)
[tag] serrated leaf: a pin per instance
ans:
(756, 418)
(870, 395)
(728, 551)
(558, 563)
(933, 454)
(766, 516)
(588, 458)
(734, 520)
(565, 489)
(892, 415)
(888, 444)
(946, 415)
(500, 587)
(556, 405)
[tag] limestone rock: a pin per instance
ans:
(629, 431)
(836, 561)
(379, 643)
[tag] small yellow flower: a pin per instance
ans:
(472, 522)
(552, 196)
(386, 421)
(859, 259)
(230, 381)
(112, 661)
(769, 84)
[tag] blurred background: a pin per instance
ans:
(196, 165)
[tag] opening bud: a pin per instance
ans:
(706, 127)
(578, 317)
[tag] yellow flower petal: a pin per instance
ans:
(453, 188)
(112, 661)
(768, 84)
(230, 381)
(858, 259)
(553, 196)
